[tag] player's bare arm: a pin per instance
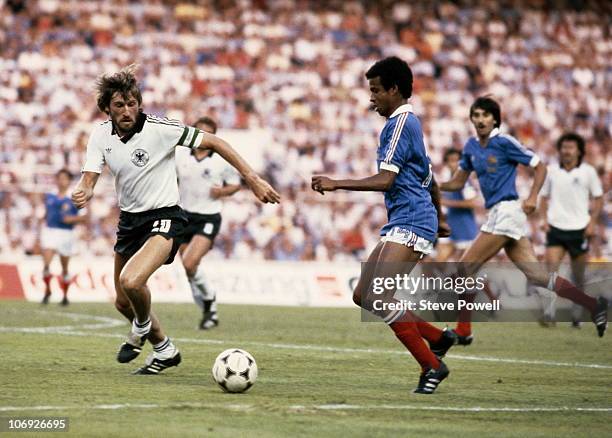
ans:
(225, 191)
(596, 206)
(460, 203)
(262, 190)
(381, 182)
(530, 204)
(443, 227)
(543, 213)
(457, 181)
(74, 219)
(84, 189)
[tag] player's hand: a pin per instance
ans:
(216, 192)
(545, 227)
(81, 196)
(262, 190)
(529, 206)
(590, 230)
(322, 184)
(444, 228)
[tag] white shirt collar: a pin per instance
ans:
(405, 108)
(494, 132)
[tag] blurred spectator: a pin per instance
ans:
(295, 69)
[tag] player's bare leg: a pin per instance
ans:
(408, 328)
(578, 266)
(47, 258)
(132, 282)
(554, 255)
(445, 252)
(484, 247)
(203, 294)
(123, 305)
(522, 254)
(138, 269)
(65, 279)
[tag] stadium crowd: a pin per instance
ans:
(294, 68)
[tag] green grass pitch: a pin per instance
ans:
(322, 373)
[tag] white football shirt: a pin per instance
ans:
(568, 194)
(142, 162)
(197, 177)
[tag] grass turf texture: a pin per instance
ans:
(76, 372)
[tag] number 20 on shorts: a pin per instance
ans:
(162, 225)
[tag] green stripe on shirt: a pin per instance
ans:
(195, 135)
(185, 131)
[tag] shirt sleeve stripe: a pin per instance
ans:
(519, 146)
(185, 131)
(395, 137)
(397, 132)
(196, 132)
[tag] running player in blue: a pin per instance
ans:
(412, 201)
(57, 235)
(494, 157)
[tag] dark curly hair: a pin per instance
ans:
(572, 136)
(123, 82)
(489, 105)
(393, 72)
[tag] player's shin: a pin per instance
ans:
(198, 297)
(564, 288)
(404, 325)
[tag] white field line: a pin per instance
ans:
(102, 323)
(302, 408)
(106, 322)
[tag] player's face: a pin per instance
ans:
(203, 153)
(123, 112)
(63, 182)
(452, 161)
(483, 121)
(569, 153)
(380, 99)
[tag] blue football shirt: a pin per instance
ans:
(58, 207)
(495, 165)
(402, 151)
(461, 220)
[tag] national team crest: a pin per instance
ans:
(140, 157)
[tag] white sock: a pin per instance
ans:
(198, 297)
(141, 328)
(552, 280)
(164, 350)
(393, 316)
(208, 293)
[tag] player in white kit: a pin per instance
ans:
(569, 187)
(139, 150)
(204, 179)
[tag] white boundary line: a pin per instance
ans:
(103, 323)
(106, 322)
(303, 408)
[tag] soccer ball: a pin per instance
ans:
(235, 370)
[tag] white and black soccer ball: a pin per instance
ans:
(235, 370)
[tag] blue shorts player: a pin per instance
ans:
(413, 210)
(57, 235)
(494, 157)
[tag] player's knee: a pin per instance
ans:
(130, 283)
